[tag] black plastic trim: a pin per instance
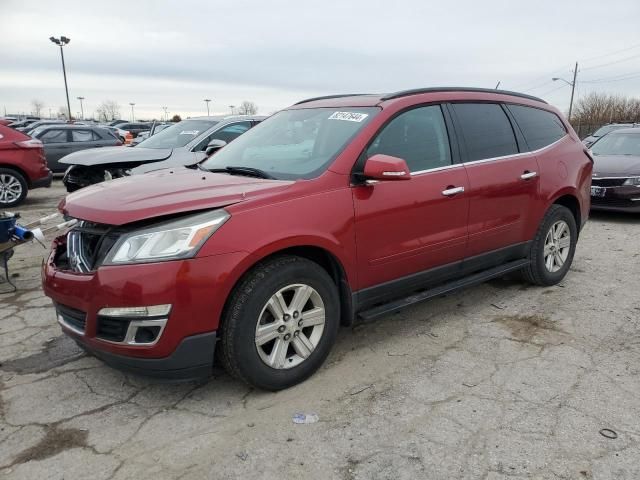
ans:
(192, 359)
(418, 91)
(434, 277)
(43, 182)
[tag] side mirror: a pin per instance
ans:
(214, 146)
(386, 167)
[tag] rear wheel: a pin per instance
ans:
(553, 247)
(280, 323)
(13, 188)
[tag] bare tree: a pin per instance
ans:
(37, 106)
(597, 109)
(247, 108)
(108, 110)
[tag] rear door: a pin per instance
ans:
(56, 145)
(405, 228)
(503, 182)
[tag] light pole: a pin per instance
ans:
(572, 85)
(207, 100)
(133, 118)
(81, 108)
(166, 115)
(61, 42)
(231, 107)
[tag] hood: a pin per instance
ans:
(104, 155)
(165, 192)
(616, 165)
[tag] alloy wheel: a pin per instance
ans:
(557, 245)
(10, 188)
(290, 326)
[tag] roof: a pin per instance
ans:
(372, 100)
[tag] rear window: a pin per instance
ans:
(539, 127)
(486, 130)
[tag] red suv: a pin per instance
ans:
(22, 166)
(336, 208)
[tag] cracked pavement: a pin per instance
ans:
(499, 381)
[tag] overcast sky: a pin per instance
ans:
(275, 52)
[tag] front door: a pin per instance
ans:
(404, 228)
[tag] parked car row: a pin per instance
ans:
(334, 208)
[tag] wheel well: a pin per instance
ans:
(332, 266)
(18, 170)
(573, 205)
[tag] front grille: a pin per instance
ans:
(88, 244)
(607, 182)
(76, 319)
(112, 329)
(613, 202)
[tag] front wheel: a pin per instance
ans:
(280, 323)
(553, 247)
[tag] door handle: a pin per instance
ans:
(449, 192)
(527, 175)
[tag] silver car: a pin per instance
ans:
(185, 143)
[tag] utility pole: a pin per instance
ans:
(81, 108)
(207, 100)
(498, 85)
(133, 118)
(573, 89)
(61, 42)
(572, 85)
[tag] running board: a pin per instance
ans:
(480, 277)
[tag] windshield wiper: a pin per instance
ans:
(238, 170)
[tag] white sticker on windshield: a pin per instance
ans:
(349, 116)
(189, 132)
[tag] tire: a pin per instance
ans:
(248, 309)
(542, 270)
(13, 188)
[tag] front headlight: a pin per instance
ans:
(170, 240)
(632, 181)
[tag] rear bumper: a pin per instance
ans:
(44, 182)
(192, 359)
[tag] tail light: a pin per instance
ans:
(128, 138)
(31, 143)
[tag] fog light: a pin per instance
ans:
(137, 312)
(147, 334)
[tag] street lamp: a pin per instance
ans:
(61, 42)
(207, 100)
(81, 108)
(133, 118)
(572, 85)
(231, 107)
(166, 115)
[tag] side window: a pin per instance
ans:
(54, 136)
(539, 127)
(486, 130)
(227, 134)
(82, 135)
(418, 136)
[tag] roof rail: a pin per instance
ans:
(416, 91)
(329, 97)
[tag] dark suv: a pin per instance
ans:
(333, 209)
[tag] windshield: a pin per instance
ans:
(618, 144)
(178, 135)
(294, 144)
